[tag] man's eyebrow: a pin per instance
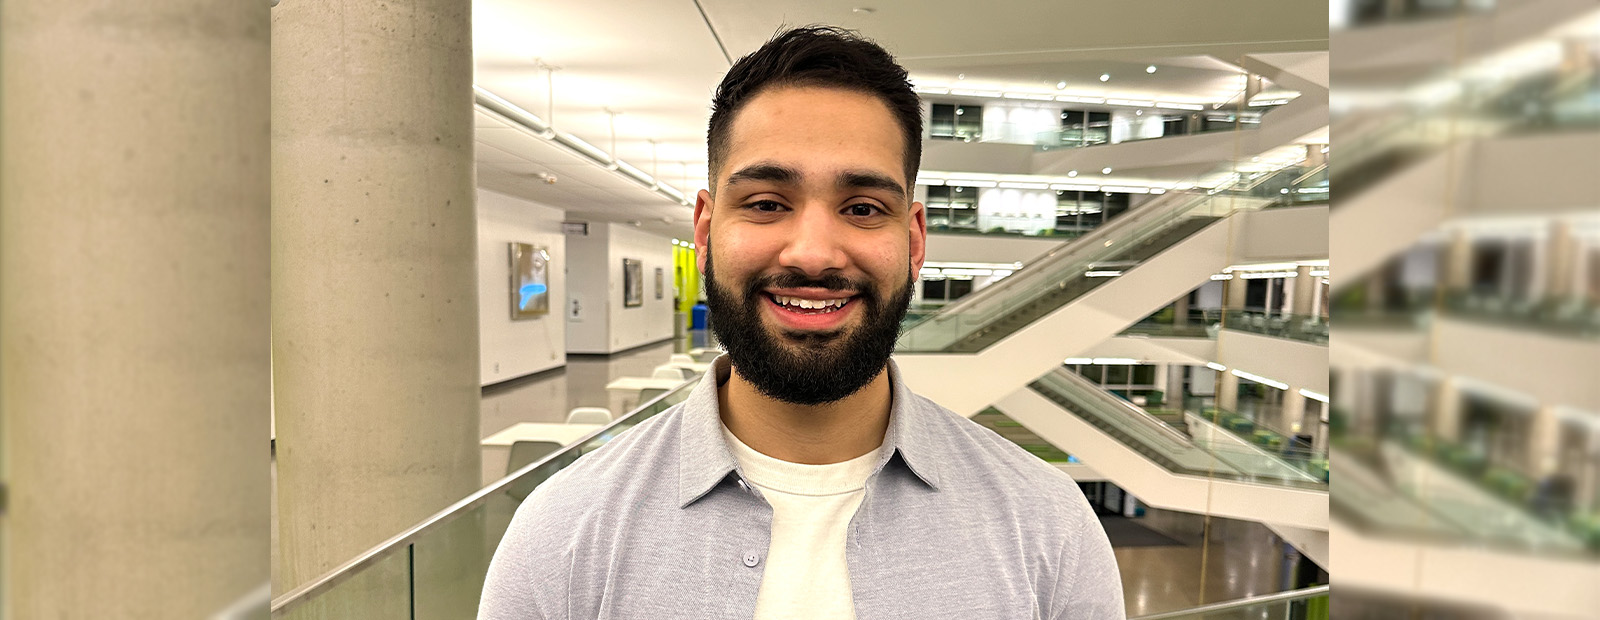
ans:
(871, 180)
(764, 171)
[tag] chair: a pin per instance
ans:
(589, 415)
(680, 358)
(524, 453)
(668, 372)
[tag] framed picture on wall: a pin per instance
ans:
(530, 281)
(661, 278)
(632, 283)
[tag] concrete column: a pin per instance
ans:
(1447, 410)
(1233, 297)
(1561, 261)
(1305, 291)
(1175, 386)
(1545, 448)
(1293, 412)
(1227, 391)
(134, 316)
(374, 302)
(1160, 381)
(1457, 263)
(1180, 310)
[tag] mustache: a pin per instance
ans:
(790, 279)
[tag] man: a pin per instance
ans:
(801, 478)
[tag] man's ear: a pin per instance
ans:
(702, 227)
(919, 236)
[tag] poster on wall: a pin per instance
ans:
(632, 283)
(530, 281)
(661, 278)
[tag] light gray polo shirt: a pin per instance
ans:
(957, 522)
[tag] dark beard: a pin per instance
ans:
(820, 367)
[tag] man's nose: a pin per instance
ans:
(815, 245)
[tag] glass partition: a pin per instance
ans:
(437, 569)
(1306, 328)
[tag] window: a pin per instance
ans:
(952, 208)
(956, 122)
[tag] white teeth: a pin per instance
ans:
(810, 304)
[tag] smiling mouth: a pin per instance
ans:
(800, 305)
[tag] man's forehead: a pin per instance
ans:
(816, 131)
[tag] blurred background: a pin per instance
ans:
(300, 300)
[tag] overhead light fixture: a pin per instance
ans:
(1029, 96)
(1017, 185)
(1150, 69)
(970, 183)
(1078, 360)
(1259, 379)
(1126, 189)
(1105, 77)
(961, 76)
(1109, 273)
(1138, 112)
(1313, 395)
(1072, 173)
(1140, 103)
(1215, 366)
(974, 93)
(1106, 170)
(1061, 85)
(1069, 187)
(1180, 106)
(1081, 99)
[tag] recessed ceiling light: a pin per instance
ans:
(867, 10)
(1106, 170)
(1072, 173)
(961, 76)
(1061, 85)
(1105, 77)
(1150, 69)
(1138, 112)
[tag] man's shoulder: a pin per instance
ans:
(971, 455)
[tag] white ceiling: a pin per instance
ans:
(657, 63)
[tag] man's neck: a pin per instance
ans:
(809, 434)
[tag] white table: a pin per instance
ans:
(497, 447)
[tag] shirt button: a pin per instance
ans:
(751, 559)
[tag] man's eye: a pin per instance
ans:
(766, 206)
(862, 210)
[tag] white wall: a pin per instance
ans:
(603, 324)
(957, 248)
(507, 348)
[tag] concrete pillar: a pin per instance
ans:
(1457, 263)
(1561, 261)
(1293, 411)
(134, 308)
(1233, 297)
(1305, 291)
(1447, 410)
(1316, 155)
(1160, 381)
(374, 301)
(1545, 442)
(1175, 386)
(1180, 310)
(1227, 391)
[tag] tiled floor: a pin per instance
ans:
(1241, 559)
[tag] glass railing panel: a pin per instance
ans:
(436, 570)
(1306, 328)
(1568, 317)
(1080, 267)
(1279, 448)
(1306, 604)
(381, 591)
(1176, 450)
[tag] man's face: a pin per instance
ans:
(811, 243)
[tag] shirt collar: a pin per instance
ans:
(705, 460)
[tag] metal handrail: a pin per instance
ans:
(1304, 593)
(311, 589)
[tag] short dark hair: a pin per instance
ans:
(817, 56)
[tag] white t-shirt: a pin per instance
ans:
(806, 575)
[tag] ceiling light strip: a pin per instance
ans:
(525, 120)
